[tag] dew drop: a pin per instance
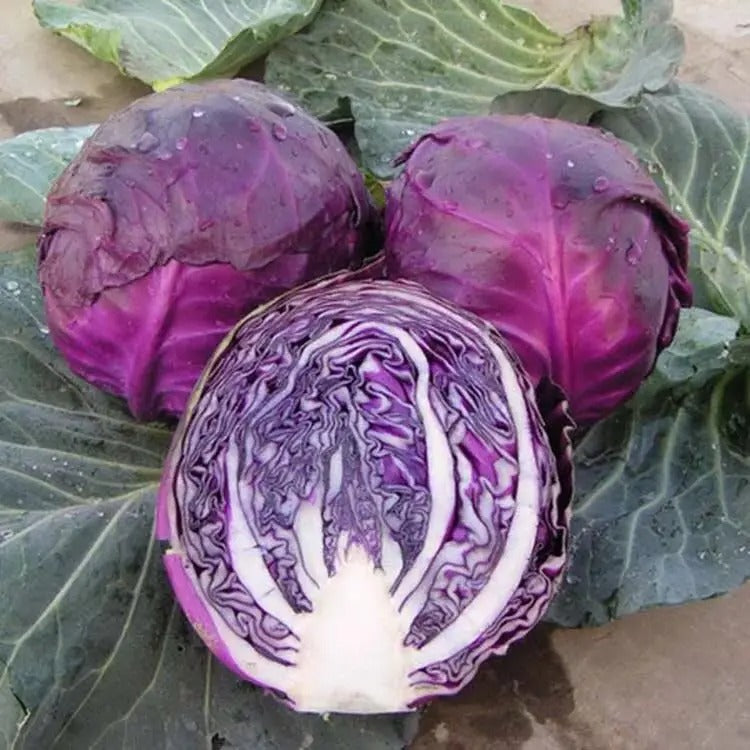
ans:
(482, 15)
(147, 142)
(279, 131)
(424, 179)
(11, 286)
(570, 163)
(181, 144)
(43, 330)
(198, 113)
(633, 253)
(560, 197)
(601, 183)
(282, 108)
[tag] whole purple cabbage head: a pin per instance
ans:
(363, 501)
(181, 214)
(553, 233)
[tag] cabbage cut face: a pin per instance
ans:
(181, 214)
(361, 503)
(554, 234)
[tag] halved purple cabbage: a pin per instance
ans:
(362, 501)
(181, 214)
(553, 233)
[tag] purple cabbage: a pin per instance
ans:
(554, 234)
(363, 501)
(181, 214)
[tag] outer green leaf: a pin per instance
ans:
(29, 164)
(94, 653)
(164, 42)
(547, 102)
(699, 149)
(405, 64)
(663, 509)
(700, 349)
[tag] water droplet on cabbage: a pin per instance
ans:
(282, 108)
(634, 253)
(560, 197)
(601, 183)
(424, 179)
(147, 142)
(198, 113)
(279, 131)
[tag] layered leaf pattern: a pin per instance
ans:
(169, 41)
(405, 64)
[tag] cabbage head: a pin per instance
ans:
(553, 233)
(365, 498)
(181, 214)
